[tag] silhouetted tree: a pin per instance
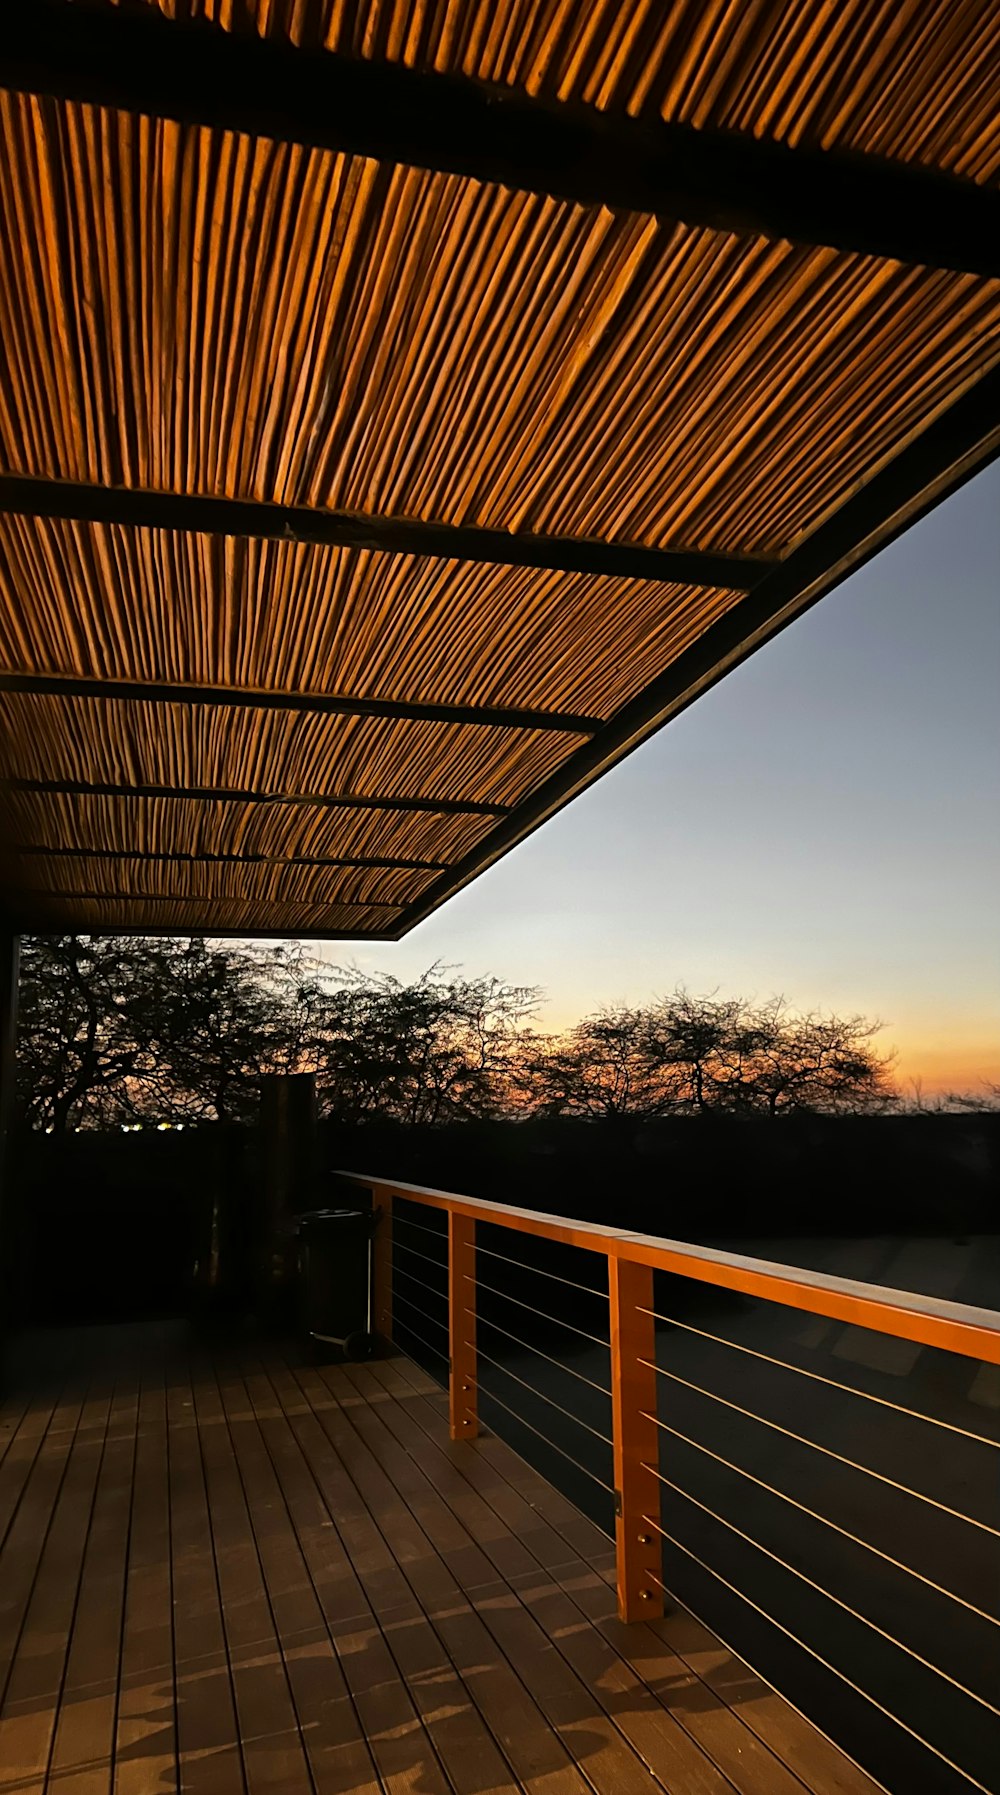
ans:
(86, 1029)
(688, 1055)
(441, 1048)
(120, 1029)
(116, 1030)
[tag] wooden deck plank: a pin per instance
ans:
(273, 1753)
(145, 1751)
(553, 1581)
(338, 1755)
(226, 1573)
(447, 1708)
(569, 1701)
(14, 1411)
(83, 1745)
(678, 1642)
(209, 1755)
(402, 1749)
(528, 1740)
(34, 1687)
(29, 1425)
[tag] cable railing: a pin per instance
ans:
(842, 1541)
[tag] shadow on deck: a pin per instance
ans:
(224, 1571)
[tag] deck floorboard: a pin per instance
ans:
(228, 1572)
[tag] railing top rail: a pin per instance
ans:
(930, 1321)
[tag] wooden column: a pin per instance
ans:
(633, 1393)
(462, 1404)
(9, 956)
(382, 1266)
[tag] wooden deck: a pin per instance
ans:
(229, 1572)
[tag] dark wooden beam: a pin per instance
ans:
(83, 788)
(58, 685)
(54, 898)
(52, 924)
(733, 182)
(200, 74)
(368, 864)
(135, 508)
(958, 444)
(9, 1294)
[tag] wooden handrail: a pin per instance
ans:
(926, 1320)
(631, 1260)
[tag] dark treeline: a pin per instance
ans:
(122, 1032)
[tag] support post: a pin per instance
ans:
(462, 1394)
(382, 1266)
(633, 1398)
(9, 957)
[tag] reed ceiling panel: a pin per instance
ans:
(222, 882)
(193, 311)
(219, 826)
(102, 741)
(916, 80)
(440, 348)
(237, 916)
(137, 604)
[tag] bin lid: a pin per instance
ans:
(332, 1215)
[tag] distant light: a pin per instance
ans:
(162, 1126)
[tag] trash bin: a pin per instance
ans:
(334, 1281)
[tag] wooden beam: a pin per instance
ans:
(638, 1553)
(382, 1258)
(9, 1293)
(463, 1406)
(962, 440)
(370, 863)
(198, 73)
(28, 896)
(60, 685)
(137, 509)
(84, 788)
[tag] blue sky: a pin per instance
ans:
(823, 824)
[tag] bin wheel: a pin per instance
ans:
(360, 1345)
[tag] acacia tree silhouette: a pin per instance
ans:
(115, 1030)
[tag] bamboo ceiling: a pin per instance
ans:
(383, 454)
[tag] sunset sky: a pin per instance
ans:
(822, 824)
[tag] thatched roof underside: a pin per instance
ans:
(370, 481)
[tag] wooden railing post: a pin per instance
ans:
(382, 1265)
(633, 1401)
(462, 1404)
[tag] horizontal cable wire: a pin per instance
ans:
(401, 1247)
(481, 1285)
(776, 1427)
(575, 1462)
(602, 1389)
(832, 1668)
(440, 1234)
(443, 1325)
(588, 1289)
(558, 1406)
(827, 1595)
(743, 1659)
(399, 1272)
(826, 1521)
(818, 1378)
(436, 1350)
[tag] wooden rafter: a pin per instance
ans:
(201, 74)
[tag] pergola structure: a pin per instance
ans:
(408, 406)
